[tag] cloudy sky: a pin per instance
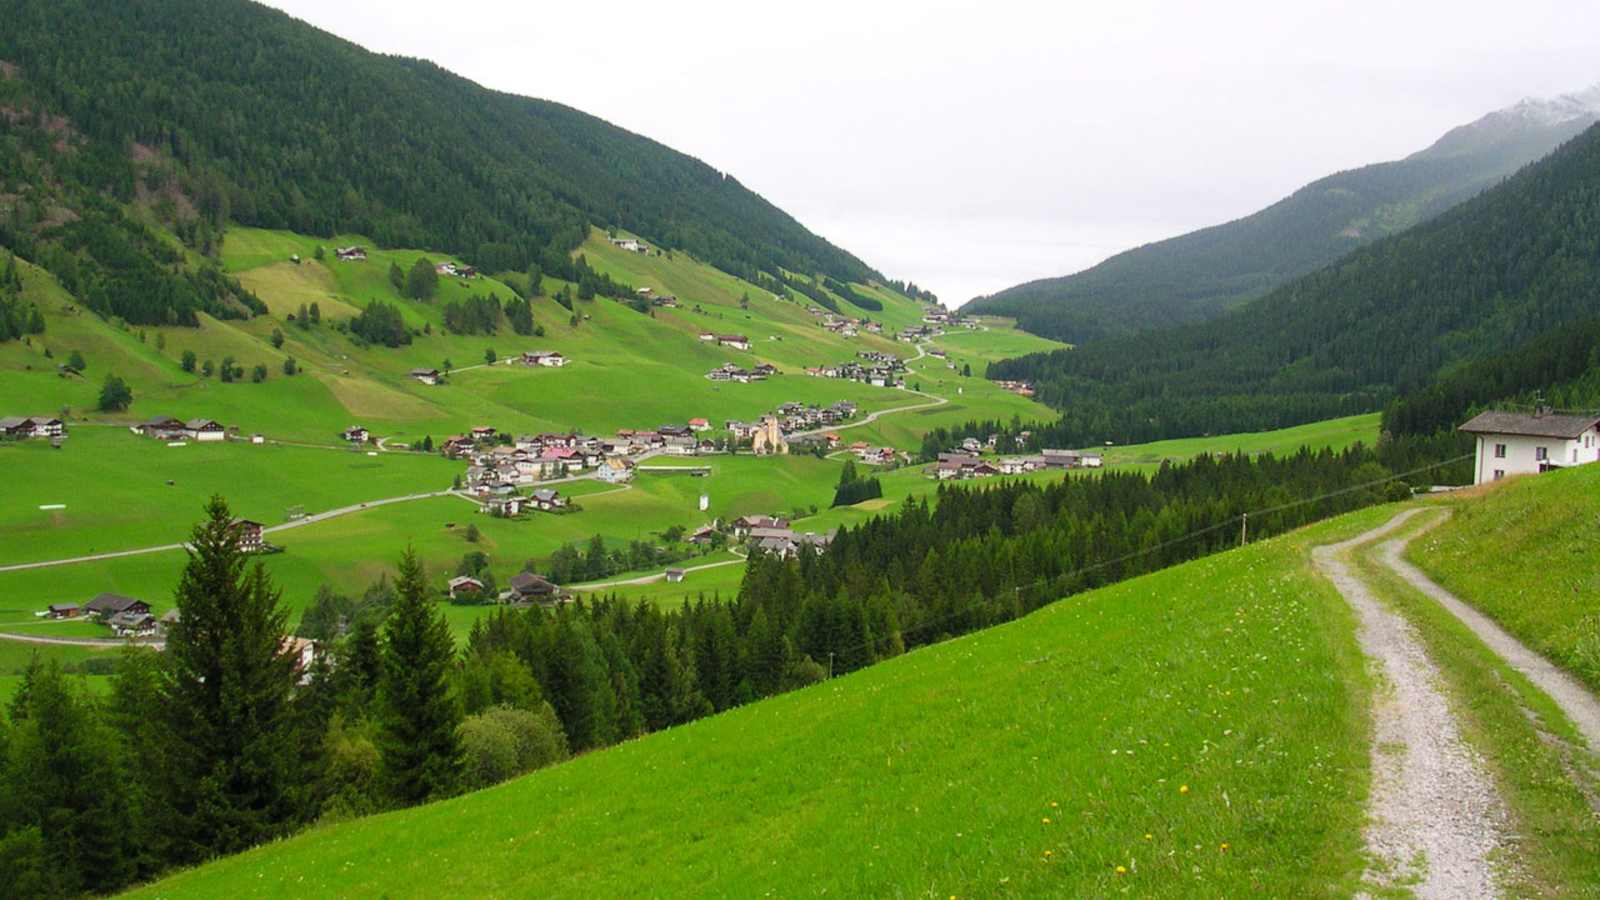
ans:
(969, 146)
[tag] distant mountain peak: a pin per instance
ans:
(1525, 119)
(1555, 110)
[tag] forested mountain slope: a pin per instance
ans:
(1487, 276)
(1200, 275)
(240, 113)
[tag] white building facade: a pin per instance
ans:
(1523, 444)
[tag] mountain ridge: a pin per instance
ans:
(1201, 274)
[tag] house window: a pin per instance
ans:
(1499, 451)
(1541, 453)
(1499, 474)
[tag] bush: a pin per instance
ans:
(502, 743)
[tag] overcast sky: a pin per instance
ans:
(969, 146)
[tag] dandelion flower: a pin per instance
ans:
(1045, 820)
(1148, 836)
(1224, 847)
(1183, 789)
(1122, 870)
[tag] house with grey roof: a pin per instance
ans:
(1512, 443)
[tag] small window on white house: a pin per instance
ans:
(1541, 453)
(1499, 451)
(1499, 474)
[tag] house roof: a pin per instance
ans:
(1526, 425)
(463, 580)
(112, 603)
(546, 494)
(529, 583)
(203, 425)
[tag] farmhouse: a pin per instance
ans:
(675, 575)
(464, 584)
(699, 425)
(205, 430)
(132, 624)
(527, 587)
(736, 341)
(351, 254)
(630, 244)
(1070, 459)
(615, 471)
(32, 427)
(165, 428)
(249, 536)
(1509, 443)
(107, 605)
(547, 358)
(62, 611)
(426, 376)
(707, 336)
(743, 525)
(355, 434)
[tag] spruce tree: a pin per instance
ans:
(418, 715)
(230, 776)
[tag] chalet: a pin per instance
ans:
(504, 507)
(547, 358)
(699, 425)
(707, 336)
(547, 500)
(466, 272)
(630, 244)
(107, 605)
(62, 611)
(351, 254)
(744, 525)
(249, 535)
(832, 438)
(205, 430)
(527, 587)
(304, 653)
(164, 428)
(457, 446)
(132, 624)
(665, 300)
(483, 433)
(675, 575)
(464, 584)
(355, 434)
(1509, 443)
(615, 471)
(736, 341)
(1016, 465)
(972, 445)
(1062, 459)
(703, 535)
(742, 431)
(445, 268)
(426, 376)
(32, 427)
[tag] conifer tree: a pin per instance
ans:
(418, 714)
(230, 774)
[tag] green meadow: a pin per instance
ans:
(1334, 434)
(1200, 731)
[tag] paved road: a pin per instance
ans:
(1436, 818)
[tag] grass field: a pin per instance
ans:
(1196, 732)
(1336, 434)
(1526, 554)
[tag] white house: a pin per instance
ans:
(204, 430)
(1520, 443)
(547, 358)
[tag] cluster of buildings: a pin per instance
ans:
(351, 254)
(801, 417)
(17, 428)
(1020, 388)
(666, 301)
(967, 464)
(867, 453)
(919, 333)
(632, 245)
(456, 270)
(549, 359)
(171, 428)
(767, 534)
(845, 326)
(876, 369)
(741, 375)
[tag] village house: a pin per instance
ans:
(526, 587)
(615, 471)
(1070, 459)
(205, 430)
(426, 376)
(351, 254)
(132, 624)
(631, 244)
(547, 500)
(17, 427)
(463, 585)
(164, 428)
(249, 535)
(1509, 443)
(707, 336)
(699, 425)
(736, 341)
(675, 576)
(1017, 465)
(104, 606)
(548, 358)
(355, 434)
(504, 507)
(62, 611)
(743, 525)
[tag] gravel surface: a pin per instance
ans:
(1575, 700)
(1434, 817)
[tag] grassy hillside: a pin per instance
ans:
(1199, 731)
(1200, 275)
(1524, 553)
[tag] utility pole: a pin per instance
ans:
(1244, 528)
(830, 665)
